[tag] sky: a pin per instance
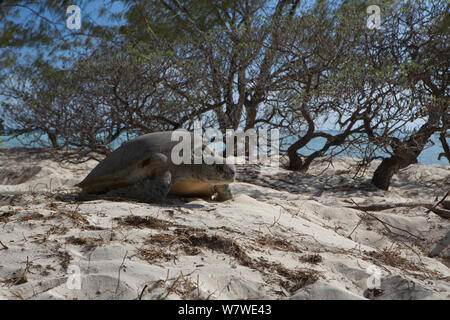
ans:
(90, 11)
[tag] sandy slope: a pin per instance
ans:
(283, 236)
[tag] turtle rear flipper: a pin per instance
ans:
(149, 189)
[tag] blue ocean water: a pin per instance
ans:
(428, 156)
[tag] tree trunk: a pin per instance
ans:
(53, 139)
(295, 162)
(405, 153)
(331, 141)
(385, 171)
(445, 146)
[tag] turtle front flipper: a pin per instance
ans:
(149, 189)
(154, 189)
(223, 192)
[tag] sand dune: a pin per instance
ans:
(283, 236)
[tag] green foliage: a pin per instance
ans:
(32, 27)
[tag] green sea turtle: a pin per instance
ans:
(143, 169)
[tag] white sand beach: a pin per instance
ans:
(283, 236)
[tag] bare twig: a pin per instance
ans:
(142, 292)
(439, 202)
(384, 222)
(118, 278)
(198, 286)
(380, 207)
(4, 245)
(359, 222)
(173, 285)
